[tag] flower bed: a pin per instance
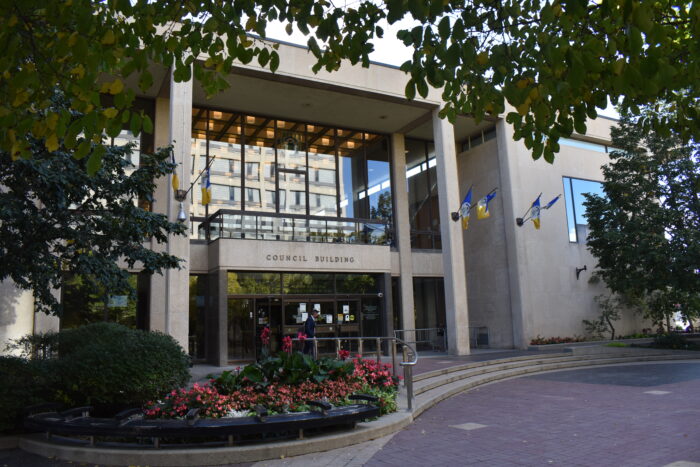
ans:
(282, 384)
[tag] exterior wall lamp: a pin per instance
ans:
(181, 195)
(579, 270)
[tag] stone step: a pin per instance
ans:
(428, 398)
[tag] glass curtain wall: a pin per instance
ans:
(261, 164)
(421, 177)
(84, 303)
(429, 303)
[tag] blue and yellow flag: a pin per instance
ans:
(206, 188)
(176, 180)
(536, 213)
(551, 203)
(482, 207)
(465, 208)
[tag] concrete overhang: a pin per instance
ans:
(353, 97)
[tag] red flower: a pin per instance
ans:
(265, 335)
(287, 344)
(343, 354)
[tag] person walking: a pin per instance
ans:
(310, 331)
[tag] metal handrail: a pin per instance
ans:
(406, 363)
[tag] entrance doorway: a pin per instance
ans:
(285, 316)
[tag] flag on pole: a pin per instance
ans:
(465, 208)
(206, 188)
(176, 180)
(482, 207)
(551, 203)
(536, 212)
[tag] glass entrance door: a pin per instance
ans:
(296, 312)
(241, 329)
(268, 312)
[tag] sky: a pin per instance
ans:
(388, 50)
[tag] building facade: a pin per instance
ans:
(334, 192)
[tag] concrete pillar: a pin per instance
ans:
(457, 314)
(402, 231)
(170, 294)
(217, 318)
(504, 139)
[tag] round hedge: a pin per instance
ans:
(106, 364)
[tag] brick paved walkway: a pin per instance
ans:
(632, 415)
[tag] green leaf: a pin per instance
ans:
(95, 160)
(410, 90)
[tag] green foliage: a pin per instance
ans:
(104, 364)
(24, 383)
(553, 63)
(616, 344)
(285, 368)
(645, 232)
(673, 341)
(54, 218)
(609, 312)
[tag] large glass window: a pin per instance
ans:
(198, 294)
(323, 171)
(378, 178)
(574, 189)
(84, 303)
(423, 209)
(429, 302)
(352, 187)
(248, 283)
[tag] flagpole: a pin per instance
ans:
(520, 220)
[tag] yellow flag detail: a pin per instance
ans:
(176, 182)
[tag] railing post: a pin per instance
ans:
(337, 348)
(379, 350)
(360, 347)
(408, 381)
(315, 349)
(393, 355)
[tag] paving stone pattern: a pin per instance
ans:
(609, 419)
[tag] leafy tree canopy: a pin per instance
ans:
(55, 218)
(552, 62)
(645, 232)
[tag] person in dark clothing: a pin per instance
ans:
(310, 331)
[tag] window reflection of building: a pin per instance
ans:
(260, 165)
(423, 206)
(574, 189)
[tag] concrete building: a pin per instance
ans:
(332, 191)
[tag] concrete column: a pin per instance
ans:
(402, 231)
(170, 302)
(457, 315)
(504, 139)
(217, 318)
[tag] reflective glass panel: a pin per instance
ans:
(259, 156)
(246, 283)
(351, 157)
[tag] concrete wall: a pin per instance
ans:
(485, 247)
(16, 313)
(547, 299)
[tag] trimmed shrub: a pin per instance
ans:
(22, 383)
(673, 341)
(106, 364)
